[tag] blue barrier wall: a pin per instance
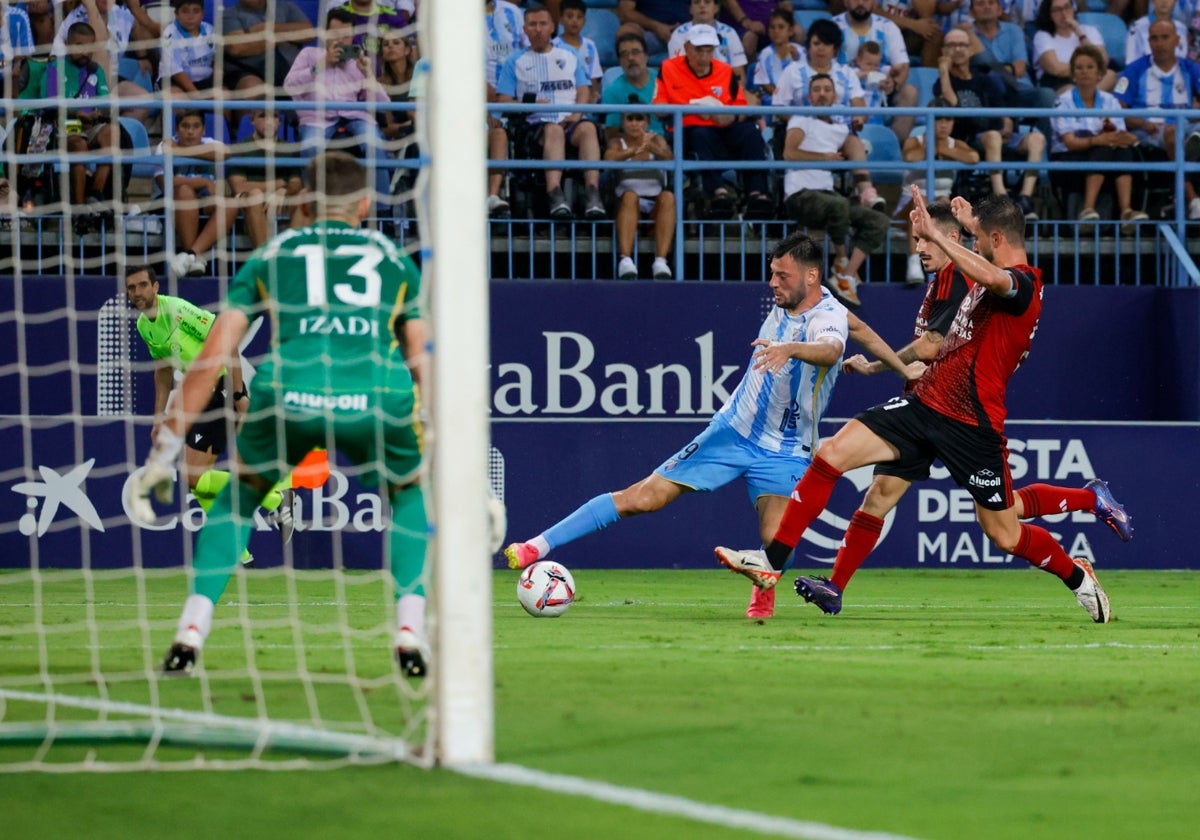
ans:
(595, 384)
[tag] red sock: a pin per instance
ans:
(1044, 499)
(808, 500)
(1042, 550)
(859, 541)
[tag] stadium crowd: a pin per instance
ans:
(876, 54)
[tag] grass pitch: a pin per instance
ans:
(937, 705)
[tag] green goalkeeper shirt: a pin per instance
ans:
(178, 331)
(333, 293)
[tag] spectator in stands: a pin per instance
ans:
(373, 21)
(1162, 80)
(776, 57)
(261, 192)
(824, 41)
(658, 18)
(397, 61)
(751, 19)
(999, 46)
(115, 26)
(859, 26)
(637, 80)
(963, 87)
(945, 148)
(919, 25)
(74, 76)
(195, 187)
(41, 24)
(1082, 137)
(572, 20)
(505, 31)
(729, 50)
(642, 192)
(261, 43)
(696, 78)
(1137, 42)
(548, 74)
(189, 51)
(812, 201)
(1058, 35)
(338, 71)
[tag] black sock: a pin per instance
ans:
(1076, 578)
(778, 553)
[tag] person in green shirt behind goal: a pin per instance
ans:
(174, 331)
(348, 341)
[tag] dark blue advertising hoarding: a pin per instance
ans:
(593, 385)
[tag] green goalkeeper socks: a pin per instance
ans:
(222, 539)
(212, 482)
(406, 546)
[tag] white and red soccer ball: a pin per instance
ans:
(545, 589)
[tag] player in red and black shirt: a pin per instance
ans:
(955, 412)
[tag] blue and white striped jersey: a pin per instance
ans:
(553, 77)
(792, 87)
(1071, 116)
(505, 34)
(1143, 85)
(883, 32)
(183, 52)
(17, 35)
(587, 52)
(770, 67)
(780, 412)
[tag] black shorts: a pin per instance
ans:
(210, 433)
(977, 458)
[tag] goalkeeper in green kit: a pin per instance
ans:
(174, 331)
(342, 373)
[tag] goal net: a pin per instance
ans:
(299, 670)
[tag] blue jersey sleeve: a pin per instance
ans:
(506, 83)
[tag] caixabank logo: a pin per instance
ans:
(56, 491)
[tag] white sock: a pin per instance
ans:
(410, 613)
(543, 547)
(195, 622)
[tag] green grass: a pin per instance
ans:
(938, 705)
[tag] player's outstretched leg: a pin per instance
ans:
(820, 591)
(594, 515)
(1109, 511)
(1090, 594)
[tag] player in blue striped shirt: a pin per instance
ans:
(766, 432)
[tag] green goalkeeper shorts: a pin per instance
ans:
(376, 428)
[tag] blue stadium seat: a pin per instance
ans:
(609, 74)
(805, 16)
(130, 68)
(923, 79)
(883, 145)
(141, 145)
(1114, 31)
(601, 27)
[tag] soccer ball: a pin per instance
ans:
(546, 589)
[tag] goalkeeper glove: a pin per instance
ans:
(157, 477)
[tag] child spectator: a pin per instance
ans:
(572, 19)
(877, 86)
(188, 52)
(261, 191)
(774, 59)
(641, 192)
(194, 187)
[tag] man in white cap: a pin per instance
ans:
(729, 45)
(696, 78)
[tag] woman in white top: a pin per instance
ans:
(641, 191)
(1059, 33)
(1083, 137)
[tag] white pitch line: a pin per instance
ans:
(661, 803)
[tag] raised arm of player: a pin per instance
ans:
(993, 278)
(869, 340)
